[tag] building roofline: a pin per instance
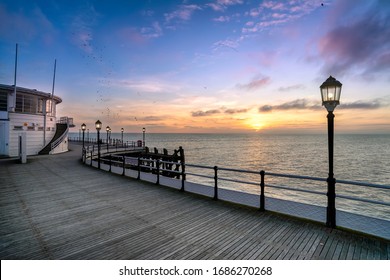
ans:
(30, 91)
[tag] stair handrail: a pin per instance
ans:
(60, 139)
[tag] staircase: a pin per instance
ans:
(61, 131)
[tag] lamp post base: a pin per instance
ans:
(331, 209)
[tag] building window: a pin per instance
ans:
(31, 128)
(26, 103)
(3, 101)
(30, 104)
(18, 127)
(49, 110)
(41, 103)
(19, 103)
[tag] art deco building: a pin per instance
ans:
(31, 113)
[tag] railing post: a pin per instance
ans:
(91, 157)
(124, 165)
(183, 176)
(82, 154)
(262, 185)
(158, 171)
(139, 168)
(215, 183)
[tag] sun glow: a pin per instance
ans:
(256, 123)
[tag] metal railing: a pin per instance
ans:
(164, 168)
(113, 142)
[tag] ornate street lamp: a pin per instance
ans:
(98, 126)
(83, 128)
(330, 93)
(122, 136)
(143, 132)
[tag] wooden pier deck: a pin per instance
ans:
(54, 207)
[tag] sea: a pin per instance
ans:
(357, 157)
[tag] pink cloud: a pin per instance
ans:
(256, 83)
(361, 43)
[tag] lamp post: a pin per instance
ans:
(98, 126)
(330, 93)
(122, 136)
(143, 136)
(83, 127)
(107, 129)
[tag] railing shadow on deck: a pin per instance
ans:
(271, 195)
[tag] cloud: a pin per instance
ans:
(366, 105)
(256, 83)
(153, 31)
(273, 5)
(222, 19)
(308, 104)
(291, 88)
(225, 44)
(362, 44)
(184, 13)
(218, 111)
(205, 113)
(275, 13)
(235, 111)
(146, 85)
(151, 118)
(298, 104)
(222, 5)
(265, 108)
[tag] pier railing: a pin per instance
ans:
(176, 175)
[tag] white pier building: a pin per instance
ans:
(31, 113)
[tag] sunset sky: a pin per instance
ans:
(204, 66)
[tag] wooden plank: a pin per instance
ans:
(351, 250)
(263, 240)
(324, 234)
(333, 242)
(307, 251)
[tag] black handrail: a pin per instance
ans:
(155, 166)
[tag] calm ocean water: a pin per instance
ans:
(356, 157)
